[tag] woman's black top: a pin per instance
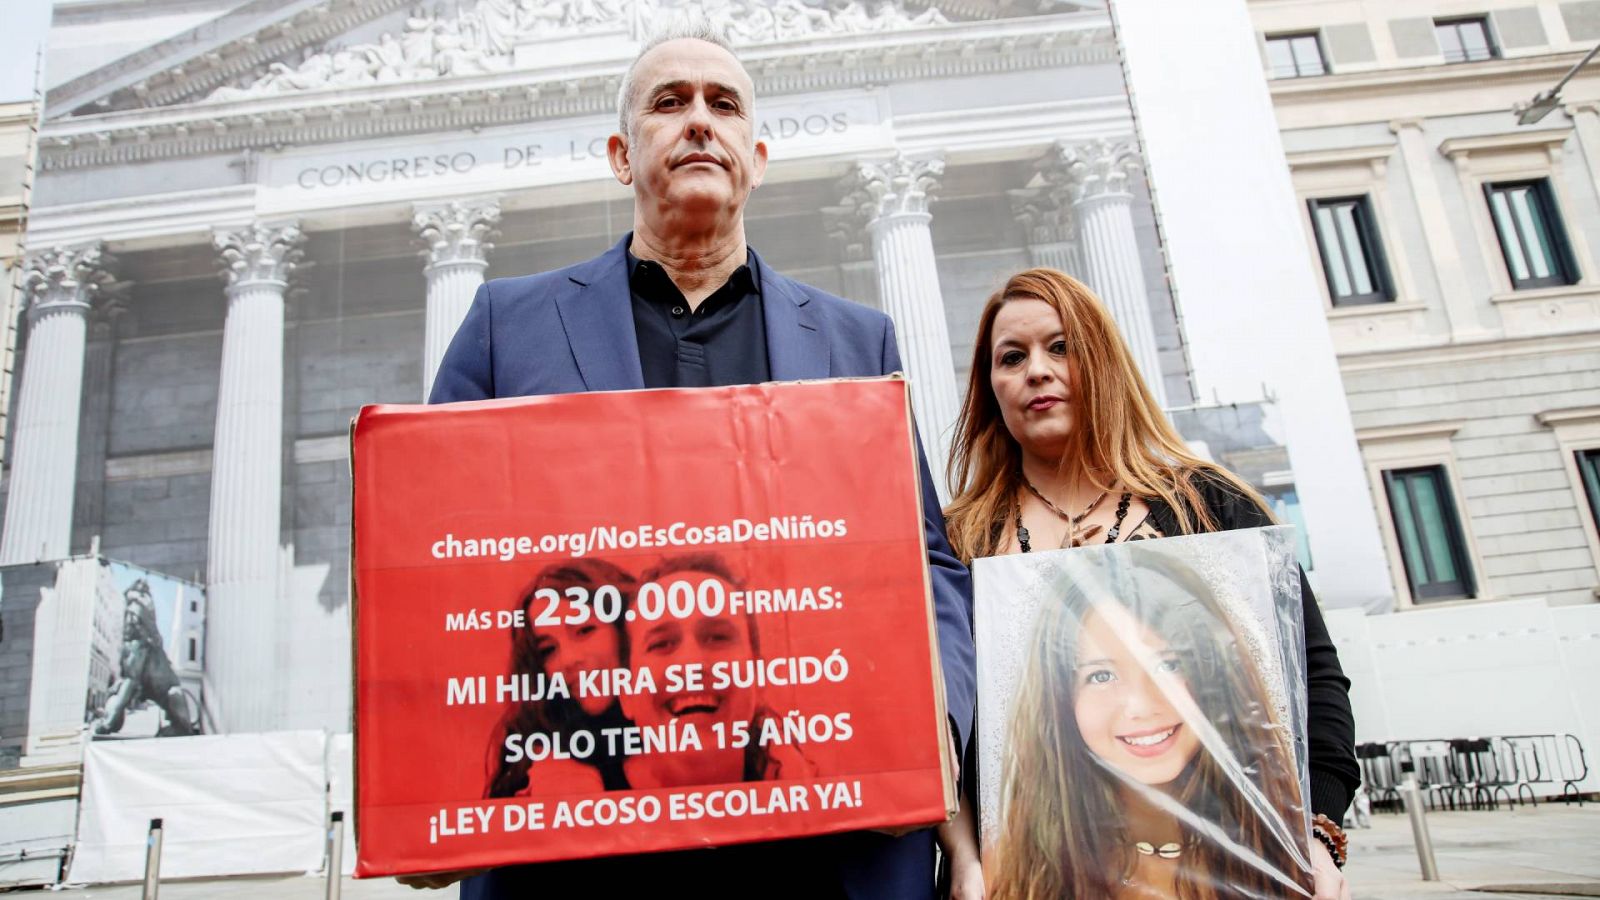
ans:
(1332, 731)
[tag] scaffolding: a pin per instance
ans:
(12, 299)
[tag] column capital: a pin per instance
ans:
(70, 279)
(1045, 214)
(900, 185)
(260, 253)
(846, 227)
(456, 231)
(1089, 170)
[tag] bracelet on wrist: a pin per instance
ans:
(1332, 837)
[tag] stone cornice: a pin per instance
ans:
(131, 222)
(1571, 415)
(1423, 430)
(1413, 79)
(1545, 139)
(462, 104)
(1347, 156)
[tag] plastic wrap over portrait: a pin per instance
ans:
(1141, 720)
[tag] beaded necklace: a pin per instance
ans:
(1076, 534)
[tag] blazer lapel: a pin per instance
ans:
(596, 308)
(797, 349)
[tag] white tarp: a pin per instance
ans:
(34, 837)
(231, 805)
(342, 793)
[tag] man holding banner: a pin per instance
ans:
(683, 302)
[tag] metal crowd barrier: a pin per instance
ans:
(334, 849)
(1475, 773)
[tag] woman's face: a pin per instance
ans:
(705, 640)
(1123, 690)
(1032, 376)
(571, 649)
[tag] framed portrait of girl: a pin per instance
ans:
(1141, 720)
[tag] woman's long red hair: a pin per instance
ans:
(1120, 438)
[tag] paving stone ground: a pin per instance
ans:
(1548, 846)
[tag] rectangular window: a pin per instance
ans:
(1352, 256)
(1465, 40)
(194, 650)
(1532, 238)
(1295, 55)
(1589, 470)
(1431, 545)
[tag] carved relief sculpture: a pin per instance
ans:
(483, 39)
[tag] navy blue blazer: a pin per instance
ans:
(572, 330)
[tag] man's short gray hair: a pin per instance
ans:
(691, 26)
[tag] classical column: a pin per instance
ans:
(247, 477)
(1095, 175)
(60, 286)
(456, 234)
(892, 197)
(858, 275)
(1046, 217)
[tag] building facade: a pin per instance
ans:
(254, 218)
(1456, 252)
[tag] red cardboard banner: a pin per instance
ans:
(624, 622)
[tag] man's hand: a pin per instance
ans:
(1329, 883)
(436, 880)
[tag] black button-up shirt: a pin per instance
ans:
(722, 342)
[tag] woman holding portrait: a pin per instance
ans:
(1060, 443)
(1147, 753)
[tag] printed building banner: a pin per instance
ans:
(1141, 719)
(99, 649)
(148, 655)
(634, 621)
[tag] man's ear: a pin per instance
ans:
(760, 165)
(617, 155)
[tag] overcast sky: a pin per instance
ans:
(22, 28)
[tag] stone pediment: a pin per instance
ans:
(211, 54)
(539, 85)
(266, 49)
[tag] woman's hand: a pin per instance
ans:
(959, 838)
(435, 880)
(1328, 881)
(966, 879)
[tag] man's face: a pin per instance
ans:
(691, 150)
(698, 639)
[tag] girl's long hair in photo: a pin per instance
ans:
(1062, 830)
(1119, 433)
(558, 715)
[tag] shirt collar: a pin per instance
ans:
(643, 275)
